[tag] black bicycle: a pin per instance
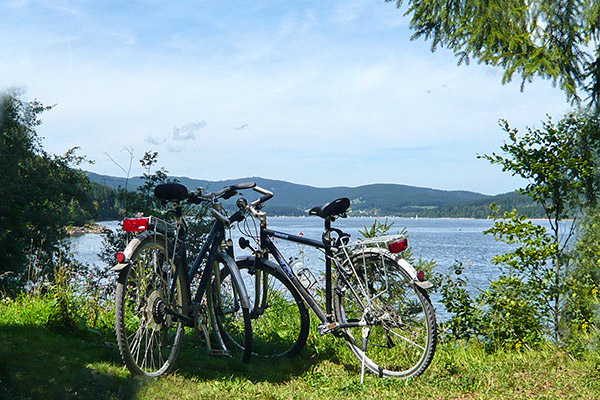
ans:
(154, 294)
(376, 301)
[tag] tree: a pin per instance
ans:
(561, 164)
(41, 193)
(557, 40)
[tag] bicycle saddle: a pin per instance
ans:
(335, 208)
(171, 191)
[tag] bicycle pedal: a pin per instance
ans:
(219, 353)
(328, 328)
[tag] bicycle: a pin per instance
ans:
(377, 302)
(154, 287)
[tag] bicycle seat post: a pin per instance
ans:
(328, 279)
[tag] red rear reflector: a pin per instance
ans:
(135, 224)
(420, 276)
(121, 257)
(398, 246)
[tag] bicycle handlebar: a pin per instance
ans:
(266, 196)
(197, 197)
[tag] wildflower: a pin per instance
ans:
(585, 325)
(518, 345)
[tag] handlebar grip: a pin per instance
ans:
(245, 185)
(194, 199)
(265, 197)
(231, 191)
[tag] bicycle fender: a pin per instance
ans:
(412, 272)
(236, 273)
(131, 246)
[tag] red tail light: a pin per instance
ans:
(420, 276)
(121, 257)
(398, 246)
(135, 224)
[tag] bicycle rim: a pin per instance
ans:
(400, 329)
(149, 338)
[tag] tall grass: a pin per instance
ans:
(43, 360)
(56, 343)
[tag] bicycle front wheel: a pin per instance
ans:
(395, 332)
(280, 320)
(149, 338)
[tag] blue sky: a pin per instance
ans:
(319, 93)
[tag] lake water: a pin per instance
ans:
(442, 240)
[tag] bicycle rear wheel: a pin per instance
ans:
(280, 319)
(398, 335)
(149, 338)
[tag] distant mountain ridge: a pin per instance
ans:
(369, 200)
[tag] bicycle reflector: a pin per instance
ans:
(135, 224)
(121, 257)
(398, 246)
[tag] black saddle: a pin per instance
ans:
(171, 191)
(336, 208)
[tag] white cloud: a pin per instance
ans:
(188, 131)
(155, 141)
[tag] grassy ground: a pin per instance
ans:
(40, 360)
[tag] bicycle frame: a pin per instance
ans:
(209, 251)
(266, 243)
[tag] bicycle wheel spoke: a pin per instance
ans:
(406, 339)
(142, 301)
(402, 336)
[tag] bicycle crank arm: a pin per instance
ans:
(188, 321)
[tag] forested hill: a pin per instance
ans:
(368, 200)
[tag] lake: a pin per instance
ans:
(442, 240)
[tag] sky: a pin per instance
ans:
(320, 93)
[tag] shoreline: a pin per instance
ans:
(93, 228)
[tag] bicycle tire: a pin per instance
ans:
(280, 322)
(149, 339)
(402, 333)
(230, 314)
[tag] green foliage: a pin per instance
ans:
(534, 245)
(506, 315)
(65, 309)
(540, 293)
(377, 229)
(143, 201)
(529, 289)
(465, 321)
(147, 202)
(557, 40)
(41, 193)
(559, 162)
(512, 314)
(582, 308)
(39, 362)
